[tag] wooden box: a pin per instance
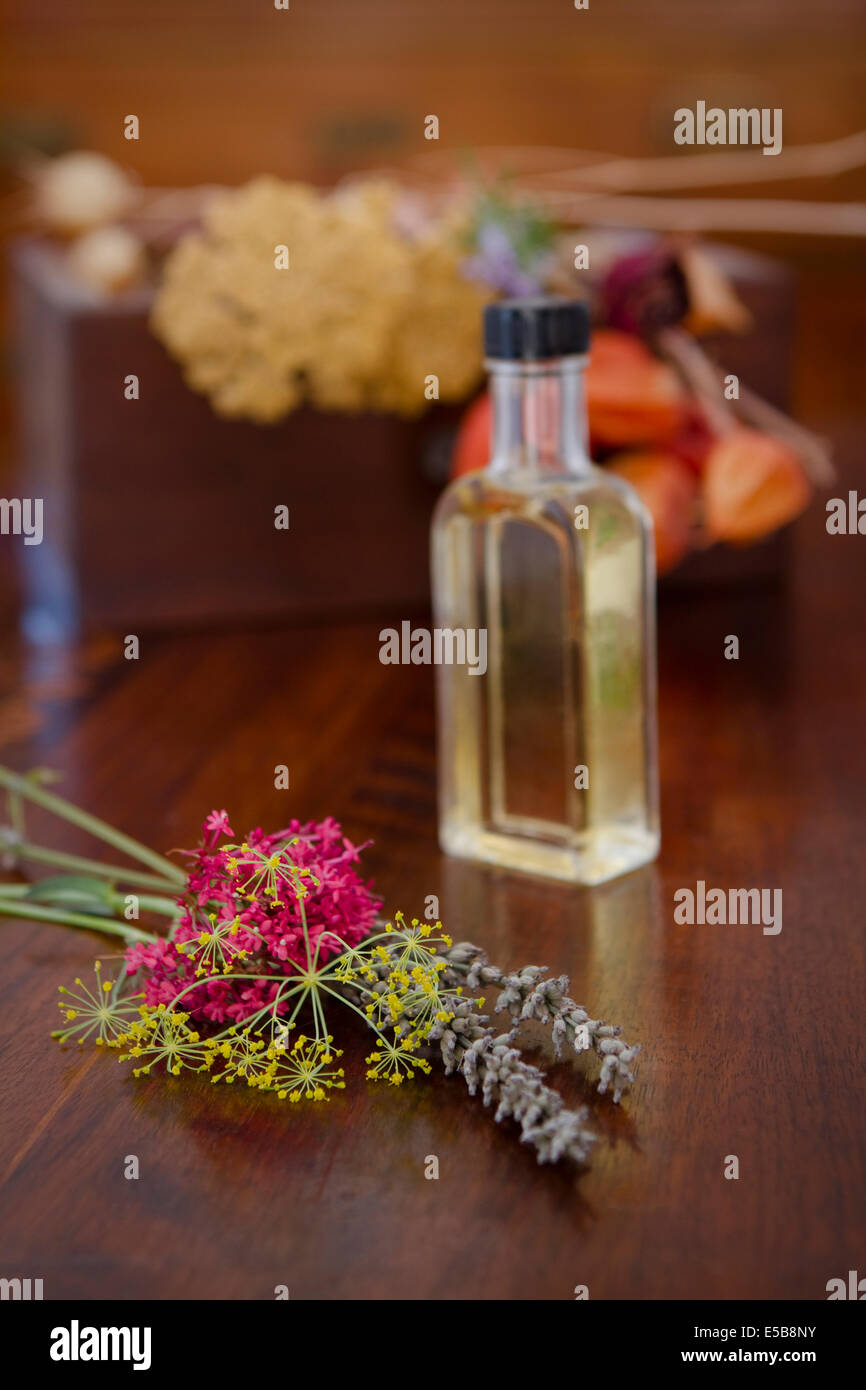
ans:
(159, 513)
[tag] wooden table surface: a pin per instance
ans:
(752, 1043)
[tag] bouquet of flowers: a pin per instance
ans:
(265, 939)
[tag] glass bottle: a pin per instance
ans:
(547, 755)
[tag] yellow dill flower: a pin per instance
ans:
(394, 1062)
(246, 1057)
(213, 950)
(306, 1071)
(412, 945)
(104, 1011)
(164, 1036)
(271, 872)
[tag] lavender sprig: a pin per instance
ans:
(489, 1060)
(484, 1058)
(527, 994)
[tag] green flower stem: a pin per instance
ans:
(147, 902)
(78, 864)
(336, 994)
(37, 912)
(151, 902)
(16, 812)
(306, 932)
(318, 1015)
(25, 787)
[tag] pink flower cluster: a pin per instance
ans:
(336, 901)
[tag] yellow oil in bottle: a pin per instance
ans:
(547, 757)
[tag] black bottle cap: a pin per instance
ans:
(526, 330)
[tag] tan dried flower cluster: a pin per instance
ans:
(364, 313)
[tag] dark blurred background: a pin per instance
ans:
(228, 88)
(225, 90)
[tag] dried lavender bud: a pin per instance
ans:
(526, 994)
(490, 1062)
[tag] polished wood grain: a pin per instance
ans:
(752, 1044)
